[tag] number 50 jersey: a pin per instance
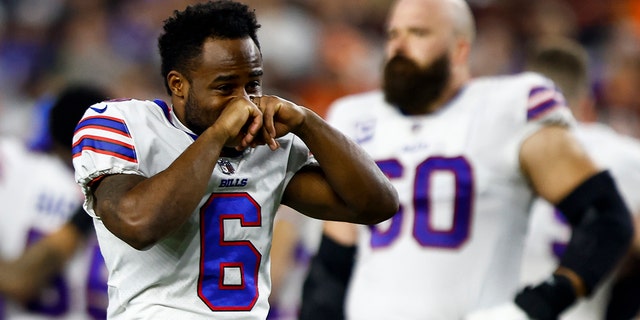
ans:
(455, 244)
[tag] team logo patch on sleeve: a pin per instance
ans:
(543, 99)
(105, 135)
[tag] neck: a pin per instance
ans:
(451, 90)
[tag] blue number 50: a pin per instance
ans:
(423, 230)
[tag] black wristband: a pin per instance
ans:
(82, 221)
(325, 287)
(338, 259)
(547, 300)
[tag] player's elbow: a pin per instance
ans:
(136, 234)
(385, 205)
(134, 226)
(379, 208)
(140, 242)
(620, 222)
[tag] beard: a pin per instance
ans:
(194, 115)
(413, 89)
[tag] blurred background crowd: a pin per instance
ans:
(314, 50)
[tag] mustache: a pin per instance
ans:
(400, 63)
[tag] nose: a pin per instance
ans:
(396, 46)
(242, 92)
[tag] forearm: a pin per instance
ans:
(24, 277)
(602, 232)
(144, 210)
(602, 229)
(352, 174)
(325, 287)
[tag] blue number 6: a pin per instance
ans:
(228, 278)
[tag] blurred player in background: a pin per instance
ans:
(467, 156)
(295, 241)
(51, 265)
(566, 63)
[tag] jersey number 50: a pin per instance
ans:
(424, 231)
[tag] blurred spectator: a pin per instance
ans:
(327, 44)
(289, 58)
(348, 63)
(620, 77)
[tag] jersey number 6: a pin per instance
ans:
(228, 279)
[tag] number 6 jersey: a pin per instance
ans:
(456, 241)
(215, 266)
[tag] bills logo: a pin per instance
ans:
(226, 167)
(226, 183)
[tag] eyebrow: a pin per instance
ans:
(224, 78)
(256, 73)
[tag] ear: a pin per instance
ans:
(461, 52)
(178, 84)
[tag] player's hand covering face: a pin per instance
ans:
(242, 121)
(280, 117)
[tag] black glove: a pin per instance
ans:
(547, 300)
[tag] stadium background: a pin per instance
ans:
(315, 50)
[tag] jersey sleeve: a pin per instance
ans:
(102, 145)
(521, 105)
(545, 104)
(335, 115)
(354, 116)
(300, 156)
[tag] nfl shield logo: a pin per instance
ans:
(226, 166)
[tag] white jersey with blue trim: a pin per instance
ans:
(549, 232)
(215, 266)
(455, 244)
(38, 195)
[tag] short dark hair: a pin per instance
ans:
(564, 61)
(185, 32)
(68, 108)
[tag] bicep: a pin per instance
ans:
(109, 192)
(555, 162)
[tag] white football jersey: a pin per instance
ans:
(38, 195)
(215, 266)
(549, 232)
(455, 244)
